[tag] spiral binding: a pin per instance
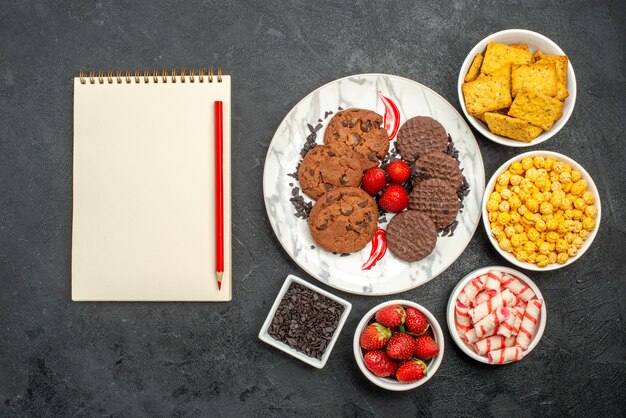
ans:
(147, 76)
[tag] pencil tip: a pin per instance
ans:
(219, 285)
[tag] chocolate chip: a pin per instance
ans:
(331, 153)
(328, 186)
(343, 180)
(365, 127)
(349, 227)
(346, 212)
(311, 173)
(336, 134)
(321, 227)
(356, 138)
(363, 203)
(368, 216)
(371, 157)
(305, 320)
(344, 123)
(361, 224)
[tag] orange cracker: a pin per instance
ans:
(537, 56)
(538, 109)
(520, 46)
(561, 62)
(511, 127)
(474, 69)
(488, 93)
(498, 55)
(538, 77)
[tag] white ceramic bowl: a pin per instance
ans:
(391, 383)
(450, 316)
(267, 338)
(535, 42)
(559, 157)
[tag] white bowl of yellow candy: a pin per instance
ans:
(541, 210)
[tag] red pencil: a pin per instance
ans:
(219, 194)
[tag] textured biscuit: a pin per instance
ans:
(488, 93)
(437, 165)
(344, 220)
(538, 78)
(511, 127)
(474, 68)
(411, 235)
(537, 109)
(419, 136)
(498, 55)
(437, 199)
(326, 167)
(561, 62)
(361, 130)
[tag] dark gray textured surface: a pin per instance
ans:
(79, 359)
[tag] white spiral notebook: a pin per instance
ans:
(143, 224)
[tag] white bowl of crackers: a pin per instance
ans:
(517, 88)
(541, 210)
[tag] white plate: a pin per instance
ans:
(390, 275)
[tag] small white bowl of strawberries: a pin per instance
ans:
(398, 345)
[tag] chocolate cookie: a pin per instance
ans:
(328, 166)
(344, 220)
(411, 235)
(437, 199)
(361, 130)
(419, 136)
(437, 165)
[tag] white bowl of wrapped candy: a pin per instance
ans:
(496, 315)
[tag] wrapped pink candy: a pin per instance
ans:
(505, 355)
(471, 289)
(493, 280)
(463, 321)
(485, 308)
(495, 342)
(529, 323)
(484, 296)
(519, 310)
(488, 325)
(519, 289)
(470, 336)
(509, 298)
(507, 328)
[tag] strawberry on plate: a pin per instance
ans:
(374, 336)
(411, 371)
(415, 322)
(398, 171)
(391, 316)
(401, 346)
(379, 363)
(394, 199)
(425, 347)
(374, 180)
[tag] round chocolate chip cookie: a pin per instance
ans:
(361, 130)
(344, 220)
(326, 167)
(437, 165)
(437, 199)
(419, 136)
(411, 235)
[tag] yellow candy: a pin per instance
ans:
(505, 244)
(516, 189)
(562, 258)
(542, 260)
(591, 211)
(516, 179)
(551, 246)
(515, 217)
(519, 228)
(516, 239)
(561, 246)
(516, 168)
(544, 248)
(565, 178)
(578, 242)
(540, 225)
(541, 182)
(555, 186)
(566, 204)
(515, 202)
(532, 174)
(552, 224)
(552, 257)
(528, 218)
(554, 176)
(576, 175)
(584, 234)
(578, 214)
(558, 167)
(579, 203)
(578, 226)
(500, 187)
(588, 197)
(552, 236)
(548, 164)
(503, 218)
(532, 258)
(579, 187)
(495, 196)
(569, 237)
(530, 247)
(503, 179)
(569, 214)
(521, 255)
(506, 194)
(492, 205)
(509, 231)
(532, 204)
(539, 162)
(504, 206)
(546, 208)
(493, 216)
(588, 223)
(527, 162)
(572, 250)
(522, 210)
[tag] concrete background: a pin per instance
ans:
(159, 359)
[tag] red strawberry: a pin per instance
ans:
(394, 199)
(415, 321)
(398, 171)
(379, 363)
(374, 180)
(374, 336)
(391, 316)
(425, 347)
(401, 346)
(411, 371)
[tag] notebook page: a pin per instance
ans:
(144, 192)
